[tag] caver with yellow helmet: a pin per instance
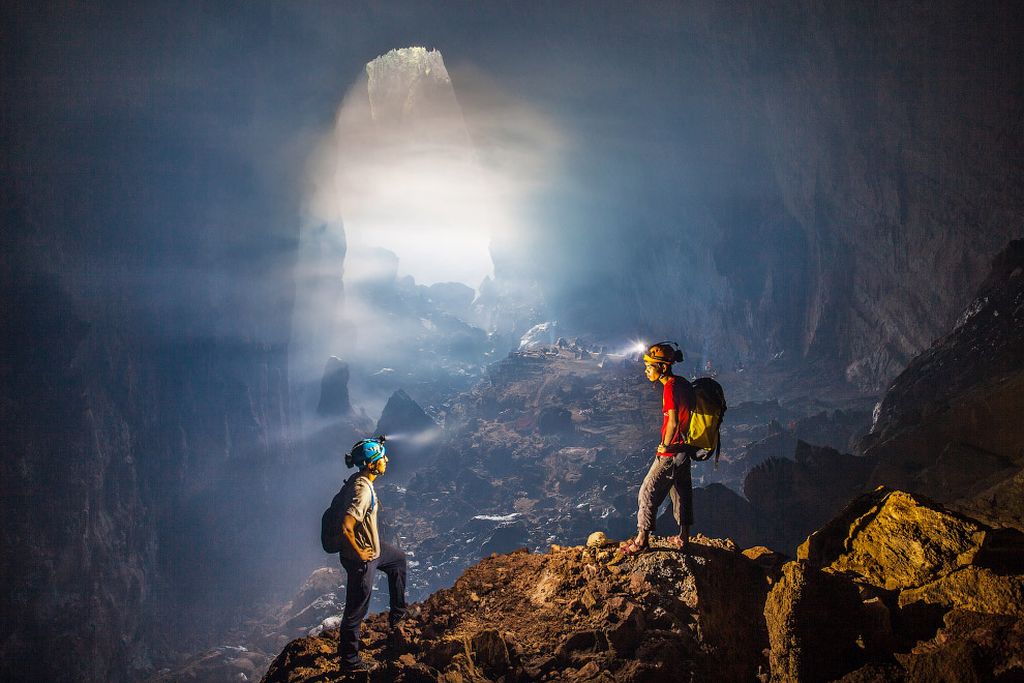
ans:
(362, 551)
(659, 358)
(669, 474)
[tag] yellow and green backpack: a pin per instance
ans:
(706, 418)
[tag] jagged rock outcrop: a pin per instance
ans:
(334, 400)
(567, 615)
(409, 88)
(894, 588)
(809, 639)
(402, 414)
(879, 579)
(895, 541)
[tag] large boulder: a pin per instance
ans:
(895, 540)
(813, 625)
(976, 589)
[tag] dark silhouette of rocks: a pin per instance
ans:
(334, 400)
(402, 414)
(791, 498)
(554, 420)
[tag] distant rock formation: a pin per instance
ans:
(417, 433)
(334, 400)
(410, 88)
(402, 414)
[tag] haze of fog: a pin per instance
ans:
(434, 178)
(421, 176)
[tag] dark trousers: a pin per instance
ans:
(667, 476)
(359, 589)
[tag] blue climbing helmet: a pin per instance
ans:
(366, 452)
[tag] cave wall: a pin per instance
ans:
(826, 180)
(895, 139)
(843, 176)
(137, 487)
(144, 321)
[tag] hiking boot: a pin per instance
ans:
(362, 666)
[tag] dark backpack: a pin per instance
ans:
(706, 418)
(331, 536)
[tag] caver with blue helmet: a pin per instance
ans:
(362, 551)
(366, 452)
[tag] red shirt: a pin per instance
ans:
(678, 395)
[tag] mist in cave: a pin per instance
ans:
(239, 239)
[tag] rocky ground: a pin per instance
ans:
(551, 447)
(895, 588)
(554, 443)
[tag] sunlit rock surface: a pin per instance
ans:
(410, 87)
(914, 564)
(894, 540)
(719, 614)
(566, 615)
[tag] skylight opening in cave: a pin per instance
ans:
(433, 178)
(435, 212)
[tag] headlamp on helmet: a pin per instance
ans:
(664, 352)
(366, 452)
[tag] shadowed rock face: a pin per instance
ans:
(886, 165)
(334, 401)
(949, 427)
(808, 642)
(119, 454)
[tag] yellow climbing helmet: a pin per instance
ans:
(664, 352)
